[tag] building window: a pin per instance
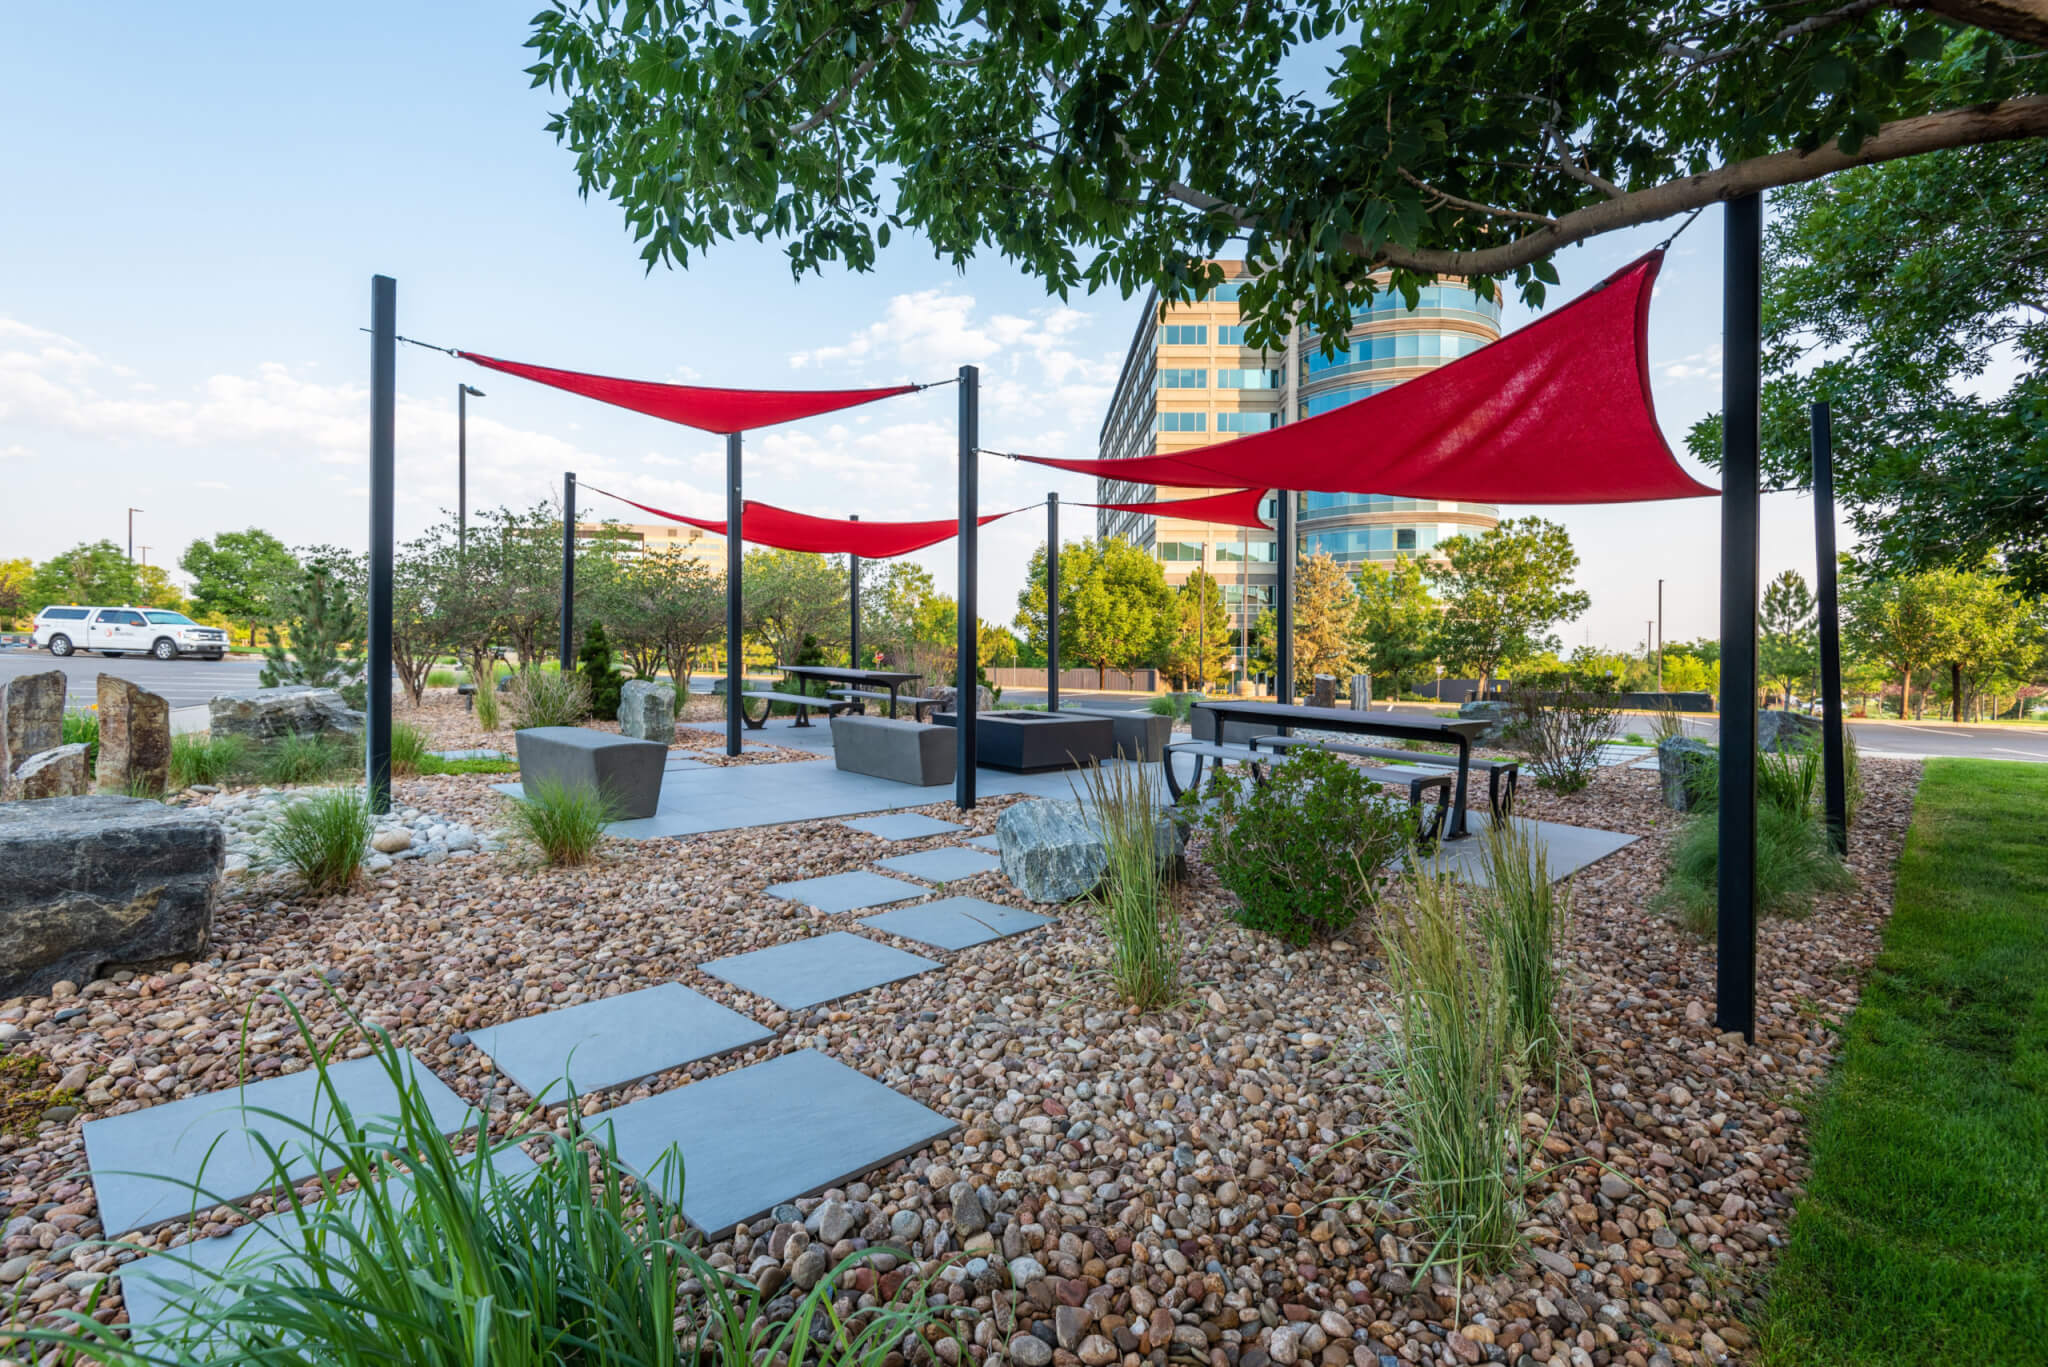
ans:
(1258, 552)
(1183, 379)
(1181, 551)
(1183, 422)
(1228, 291)
(1187, 334)
(1230, 334)
(1247, 379)
(1247, 422)
(1341, 395)
(1259, 595)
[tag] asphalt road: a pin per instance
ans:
(186, 683)
(1913, 739)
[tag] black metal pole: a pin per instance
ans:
(568, 571)
(1052, 602)
(1283, 603)
(969, 624)
(1834, 770)
(462, 467)
(383, 463)
(1741, 383)
(853, 606)
(733, 533)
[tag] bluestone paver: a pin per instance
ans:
(615, 1040)
(942, 865)
(956, 922)
(903, 826)
(847, 891)
(820, 969)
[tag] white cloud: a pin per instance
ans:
(1701, 365)
(14, 451)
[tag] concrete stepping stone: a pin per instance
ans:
(841, 892)
(146, 1164)
(164, 1290)
(614, 1041)
(903, 826)
(986, 842)
(821, 969)
(773, 1132)
(943, 865)
(469, 754)
(956, 922)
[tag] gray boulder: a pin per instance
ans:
(31, 718)
(135, 738)
(647, 711)
(264, 714)
(1686, 771)
(54, 773)
(1780, 730)
(1492, 713)
(99, 881)
(1052, 848)
(944, 694)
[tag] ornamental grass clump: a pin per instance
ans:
(323, 838)
(547, 697)
(408, 750)
(206, 759)
(1524, 919)
(1452, 1081)
(294, 759)
(451, 1252)
(83, 728)
(1303, 851)
(563, 821)
(487, 703)
(1136, 901)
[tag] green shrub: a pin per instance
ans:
(1303, 851)
(83, 728)
(1175, 705)
(1452, 1083)
(206, 759)
(1139, 912)
(408, 749)
(433, 764)
(482, 1257)
(1525, 922)
(1560, 721)
(323, 838)
(543, 697)
(1795, 863)
(442, 678)
(293, 759)
(564, 822)
(600, 675)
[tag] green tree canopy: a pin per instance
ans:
(238, 575)
(1893, 621)
(1788, 643)
(1125, 145)
(318, 636)
(789, 595)
(1502, 592)
(92, 572)
(15, 578)
(1395, 626)
(1325, 611)
(1118, 608)
(1200, 644)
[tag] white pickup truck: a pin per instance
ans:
(127, 631)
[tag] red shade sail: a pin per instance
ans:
(1238, 508)
(713, 410)
(1555, 412)
(764, 524)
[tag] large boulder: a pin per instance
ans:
(1780, 730)
(1052, 848)
(1494, 714)
(135, 738)
(31, 719)
(264, 714)
(647, 711)
(54, 773)
(1687, 771)
(944, 695)
(99, 881)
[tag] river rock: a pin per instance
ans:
(647, 711)
(1686, 770)
(1052, 848)
(93, 881)
(298, 710)
(54, 773)
(135, 738)
(31, 719)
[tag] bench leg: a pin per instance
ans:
(1500, 797)
(1429, 827)
(751, 724)
(1173, 786)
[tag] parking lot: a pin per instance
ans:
(185, 683)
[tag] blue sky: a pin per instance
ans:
(196, 199)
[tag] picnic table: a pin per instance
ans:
(1458, 731)
(858, 683)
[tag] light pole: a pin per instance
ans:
(131, 532)
(145, 554)
(463, 394)
(1660, 635)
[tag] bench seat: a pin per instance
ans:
(1204, 751)
(1429, 828)
(804, 704)
(901, 751)
(626, 770)
(1502, 775)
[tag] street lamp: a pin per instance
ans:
(1660, 635)
(131, 532)
(463, 394)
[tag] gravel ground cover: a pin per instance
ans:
(700, 729)
(1204, 1185)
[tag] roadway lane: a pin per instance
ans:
(185, 683)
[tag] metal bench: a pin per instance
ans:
(1204, 751)
(1502, 775)
(920, 708)
(804, 704)
(1429, 828)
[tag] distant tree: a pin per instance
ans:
(793, 594)
(1325, 611)
(594, 662)
(891, 596)
(1395, 624)
(665, 607)
(15, 577)
(322, 619)
(1982, 626)
(1119, 607)
(154, 589)
(237, 576)
(1893, 621)
(1265, 635)
(1690, 674)
(92, 572)
(936, 622)
(1502, 592)
(1199, 646)
(1788, 645)
(998, 647)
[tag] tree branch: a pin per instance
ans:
(2006, 121)
(1446, 197)
(860, 73)
(2023, 21)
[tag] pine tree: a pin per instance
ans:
(326, 627)
(594, 662)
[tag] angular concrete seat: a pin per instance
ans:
(627, 769)
(1140, 736)
(901, 751)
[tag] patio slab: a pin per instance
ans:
(943, 865)
(822, 968)
(824, 1124)
(956, 922)
(1567, 849)
(615, 1040)
(986, 842)
(903, 826)
(469, 754)
(146, 1164)
(841, 892)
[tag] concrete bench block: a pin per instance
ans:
(901, 751)
(1137, 735)
(629, 770)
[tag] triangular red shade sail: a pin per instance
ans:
(764, 524)
(1238, 508)
(1555, 412)
(723, 411)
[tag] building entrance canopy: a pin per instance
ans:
(1555, 412)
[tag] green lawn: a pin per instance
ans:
(1923, 1237)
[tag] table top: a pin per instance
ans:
(848, 674)
(1410, 725)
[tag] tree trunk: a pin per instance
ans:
(1955, 691)
(1906, 695)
